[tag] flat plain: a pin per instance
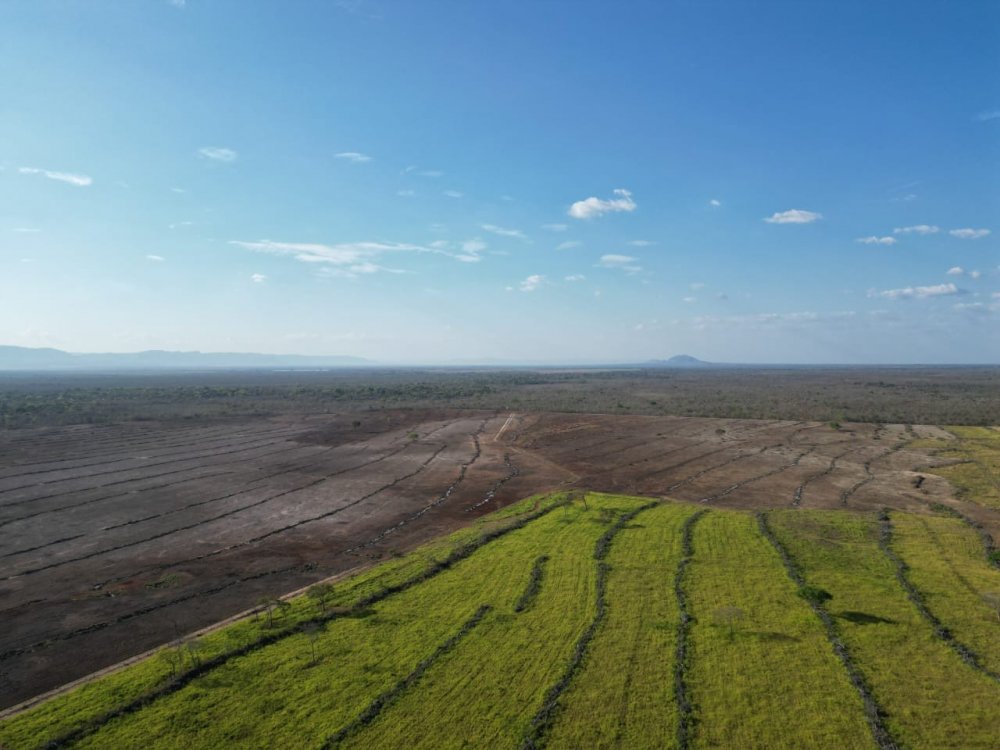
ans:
(122, 536)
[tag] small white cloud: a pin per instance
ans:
(568, 245)
(793, 216)
(592, 207)
(405, 193)
(555, 227)
(995, 295)
(218, 153)
(873, 240)
(155, 258)
(917, 229)
(641, 243)
(258, 278)
(178, 3)
(178, 190)
(697, 286)
(956, 271)
(25, 230)
(987, 116)
(715, 203)
(473, 246)
(78, 180)
(453, 194)
(355, 157)
(975, 274)
(423, 172)
(689, 300)
(504, 232)
(968, 234)
(531, 283)
(613, 261)
(918, 292)
(575, 277)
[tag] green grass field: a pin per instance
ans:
(978, 474)
(431, 650)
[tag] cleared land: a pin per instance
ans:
(119, 538)
(441, 648)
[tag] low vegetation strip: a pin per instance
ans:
(976, 467)
(941, 561)
(72, 717)
(385, 699)
(685, 709)
(534, 584)
(929, 699)
(543, 719)
(623, 696)
(874, 713)
(757, 650)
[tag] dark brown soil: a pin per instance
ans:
(114, 539)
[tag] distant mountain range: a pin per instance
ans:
(680, 360)
(24, 358)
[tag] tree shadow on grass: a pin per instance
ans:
(863, 618)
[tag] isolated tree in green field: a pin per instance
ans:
(320, 593)
(312, 631)
(173, 658)
(729, 616)
(193, 648)
(815, 595)
(992, 599)
(268, 603)
(282, 606)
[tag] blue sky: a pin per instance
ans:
(564, 182)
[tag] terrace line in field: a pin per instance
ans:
(761, 670)
(931, 697)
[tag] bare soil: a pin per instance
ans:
(114, 539)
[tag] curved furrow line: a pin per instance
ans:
(225, 438)
(443, 497)
(685, 709)
(114, 496)
(708, 469)
(512, 471)
(742, 483)
(797, 496)
(685, 462)
(172, 472)
(967, 655)
(186, 527)
(874, 713)
(193, 457)
(282, 529)
(869, 475)
(535, 736)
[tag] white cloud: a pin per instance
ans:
(591, 207)
(995, 295)
(873, 240)
(975, 274)
(355, 157)
(568, 245)
(793, 216)
(25, 230)
(423, 172)
(689, 300)
(624, 262)
(177, 3)
(580, 277)
(155, 258)
(956, 271)
(503, 232)
(987, 116)
(555, 227)
(968, 234)
(918, 292)
(258, 278)
(641, 243)
(697, 286)
(531, 283)
(218, 153)
(453, 194)
(78, 180)
(715, 203)
(178, 190)
(405, 193)
(917, 229)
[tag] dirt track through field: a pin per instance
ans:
(115, 539)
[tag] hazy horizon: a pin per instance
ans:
(543, 183)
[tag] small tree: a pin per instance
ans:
(320, 593)
(312, 631)
(729, 616)
(173, 658)
(282, 607)
(268, 603)
(815, 595)
(992, 599)
(193, 648)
